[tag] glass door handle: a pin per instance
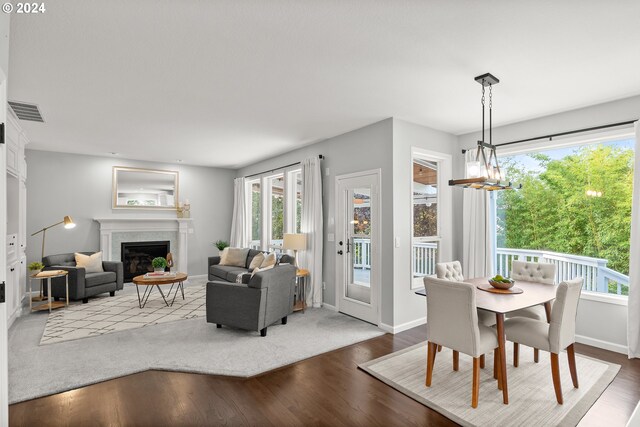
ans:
(348, 245)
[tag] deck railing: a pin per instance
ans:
(597, 276)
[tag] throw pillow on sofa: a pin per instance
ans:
(269, 260)
(236, 257)
(90, 263)
(256, 262)
(258, 270)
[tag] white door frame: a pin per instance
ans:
(445, 207)
(4, 358)
(376, 255)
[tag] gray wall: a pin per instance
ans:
(68, 184)
(599, 321)
(409, 308)
(363, 149)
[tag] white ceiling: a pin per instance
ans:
(227, 83)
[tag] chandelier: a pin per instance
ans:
(484, 172)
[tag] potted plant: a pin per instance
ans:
(159, 264)
(221, 244)
(35, 267)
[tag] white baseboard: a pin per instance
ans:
(402, 327)
(329, 306)
(606, 345)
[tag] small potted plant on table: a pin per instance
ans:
(159, 264)
(35, 267)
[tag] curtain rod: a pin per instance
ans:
(550, 137)
(320, 156)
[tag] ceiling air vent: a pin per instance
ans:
(26, 111)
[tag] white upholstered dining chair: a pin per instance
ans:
(452, 271)
(452, 321)
(555, 336)
(540, 272)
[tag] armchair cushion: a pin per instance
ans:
(91, 263)
(97, 279)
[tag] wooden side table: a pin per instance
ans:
(299, 302)
(50, 304)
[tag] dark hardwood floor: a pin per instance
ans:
(326, 390)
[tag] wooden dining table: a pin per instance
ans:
(534, 293)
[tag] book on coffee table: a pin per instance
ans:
(159, 274)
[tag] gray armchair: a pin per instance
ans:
(83, 285)
(266, 298)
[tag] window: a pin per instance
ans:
(426, 222)
(574, 210)
(255, 213)
(276, 187)
(276, 208)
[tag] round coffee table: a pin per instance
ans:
(150, 282)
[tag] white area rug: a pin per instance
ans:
(191, 345)
(532, 401)
(105, 315)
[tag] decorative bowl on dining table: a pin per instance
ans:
(500, 282)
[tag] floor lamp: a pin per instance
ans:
(68, 223)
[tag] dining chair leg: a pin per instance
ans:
(456, 360)
(555, 374)
(482, 362)
(439, 348)
(536, 355)
(516, 354)
(571, 355)
(430, 360)
(476, 382)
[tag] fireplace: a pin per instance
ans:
(137, 256)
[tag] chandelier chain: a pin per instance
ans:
(490, 96)
(483, 96)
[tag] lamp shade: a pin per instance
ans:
(297, 242)
(68, 222)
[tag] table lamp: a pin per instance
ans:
(295, 242)
(68, 223)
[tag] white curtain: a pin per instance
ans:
(477, 236)
(311, 226)
(633, 319)
(239, 226)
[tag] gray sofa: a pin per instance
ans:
(261, 301)
(230, 273)
(83, 285)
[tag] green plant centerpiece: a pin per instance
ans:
(221, 244)
(35, 266)
(159, 264)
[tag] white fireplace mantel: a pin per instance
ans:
(109, 226)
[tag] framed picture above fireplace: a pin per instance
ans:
(136, 188)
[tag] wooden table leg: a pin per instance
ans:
(503, 356)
